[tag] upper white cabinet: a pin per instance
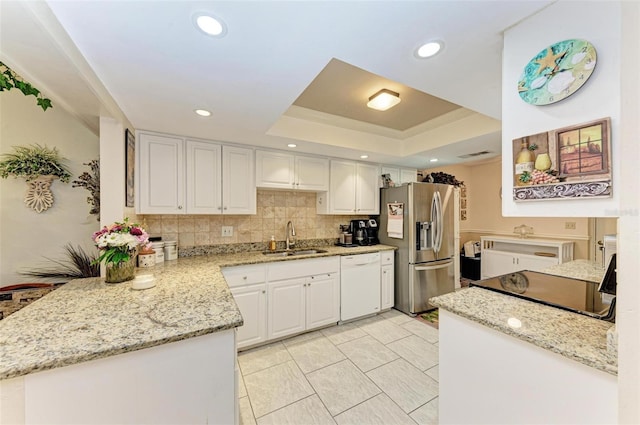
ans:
(353, 189)
(280, 170)
(160, 179)
(400, 175)
(179, 176)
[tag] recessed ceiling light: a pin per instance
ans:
(364, 156)
(433, 160)
(292, 145)
(210, 25)
(429, 49)
(383, 100)
(203, 112)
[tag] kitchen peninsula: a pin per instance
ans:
(92, 352)
(516, 361)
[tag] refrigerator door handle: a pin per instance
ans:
(435, 267)
(434, 222)
(440, 222)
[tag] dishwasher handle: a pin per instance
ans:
(434, 267)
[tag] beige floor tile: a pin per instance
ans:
(424, 331)
(427, 414)
(384, 331)
(404, 384)
(342, 386)
(246, 414)
(434, 373)
(379, 410)
(262, 357)
(276, 387)
(367, 353)
(397, 317)
(315, 354)
(309, 411)
(416, 351)
(242, 391)
(342, 333)
(302, 338)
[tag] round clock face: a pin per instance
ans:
(557, 72)
(515, 282)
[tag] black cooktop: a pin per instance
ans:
(579, 296)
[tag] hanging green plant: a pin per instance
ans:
(9, 80)
(33, 161)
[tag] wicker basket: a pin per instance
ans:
(15, 297)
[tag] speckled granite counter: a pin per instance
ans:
(578, 269)
(572, 335)
(87, 319)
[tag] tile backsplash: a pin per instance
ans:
(274, 209)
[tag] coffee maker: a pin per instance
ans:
(365, 232)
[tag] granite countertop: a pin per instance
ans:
(578, 269)
(572, 335)
(88, 319)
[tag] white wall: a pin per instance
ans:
(26, 236)
(599, 23)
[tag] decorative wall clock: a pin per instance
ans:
(557, 72)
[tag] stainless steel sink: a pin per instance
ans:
(293, 252)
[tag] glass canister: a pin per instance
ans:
(170, 250)
(158, 247)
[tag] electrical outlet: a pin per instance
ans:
(227, 231)
(570, 225)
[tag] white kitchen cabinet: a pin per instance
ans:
(160, 179)
(252, 302)
(387, 280)
(279, 170)
(179, 176)
(400, 175)
(353, 189)
(286, 308)
(502, 255)
(238, 182)
(322, 300)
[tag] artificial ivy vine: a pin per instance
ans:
(9, 79)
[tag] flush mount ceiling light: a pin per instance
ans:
(429, 49)
(433, 160)
(292, 145)
(210, 25)
(383, 100)
(364, 156)
(203, 112)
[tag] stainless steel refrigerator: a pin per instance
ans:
(424, 261)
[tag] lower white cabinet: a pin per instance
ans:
(252, 302)
(387, 280)
(322, 298)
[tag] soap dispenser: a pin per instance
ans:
(272, 243)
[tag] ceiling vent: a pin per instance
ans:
(474, 154)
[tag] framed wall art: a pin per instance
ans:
(130, 162)
(566, 163)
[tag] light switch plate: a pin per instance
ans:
(227, 231)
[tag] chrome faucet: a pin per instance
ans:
(291, 232)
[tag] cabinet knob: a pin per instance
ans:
(179, 207)
(225, 208)
(264, 292)
(219, 208)
(244, 277)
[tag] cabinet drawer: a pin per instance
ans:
(244, 275)
(386, 257)
(302, 268)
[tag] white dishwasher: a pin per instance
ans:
(359, 285)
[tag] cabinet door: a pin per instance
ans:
(367, 189)
(342, 191)
(252, 302)
(496, 263)
(312, 173)
(408, 175)
(204, 178)
(238, 181)
(387, 286)
(534, 262)
(161, 175)
(322, 300)
(274, 170)
(286, 313)
(394, 173)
